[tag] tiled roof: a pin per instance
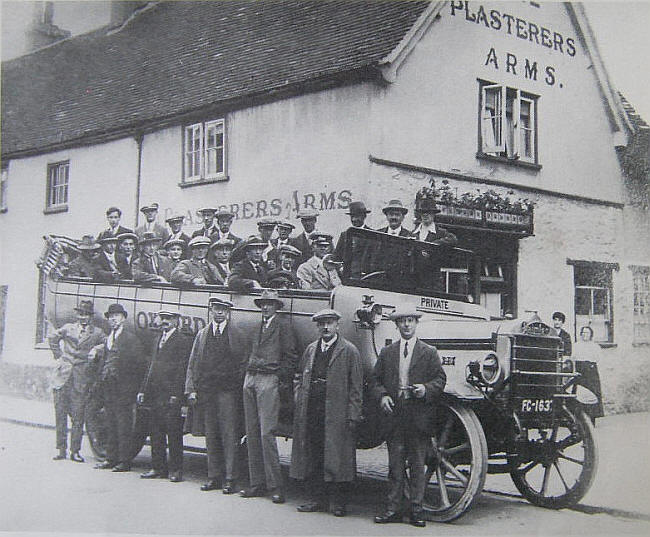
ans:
(632, 114)
(181, 56)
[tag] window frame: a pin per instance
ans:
(190, 176)
(4, 183)
(55, 205)
(640, 305)
(500, 152)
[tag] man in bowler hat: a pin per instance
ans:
(121, 371)
(327, 412)
(163, 393)
(213, 386)
(407, 381)
(71, 345)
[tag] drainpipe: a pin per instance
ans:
(139, 137)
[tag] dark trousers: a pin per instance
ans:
(262, 408)
(70, 400)
(222, 415)
(406, 443)
(317, 488)
(119, 428)
(166, 431)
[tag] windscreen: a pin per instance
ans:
(381, 261)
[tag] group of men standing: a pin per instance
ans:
(232, 379)
(213, 255)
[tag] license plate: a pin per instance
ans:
(537, 405)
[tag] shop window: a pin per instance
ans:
(641, 297)
(4, 179)
(205, 152)
(58, 176)
(508, 124)
(593, 301)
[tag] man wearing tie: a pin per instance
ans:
(313, 273)
(272, 361)
(71, 345)
(175, 223)
(162, 391)
(209, 229)
(197, 270)
(213, 386)
(265, 228)
(106, 261)
(308, 218)
(220, 253)
(121, 371)
(395, 213)
(249, 273)
(150, 266)
(113, 215)
(127, 243)
(151, 225)
(407, 381)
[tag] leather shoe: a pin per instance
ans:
(339, 510)
(277, 497)
(74, 456)
(252, 492)
(105, 465)
(311, 507)
(416, 519)
(151, 474)
(211, 484)
(388, 517)
(229, 487)
(122, 467)
(60, 456)
(176, 477)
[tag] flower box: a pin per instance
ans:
(458, 212)
(499, 218)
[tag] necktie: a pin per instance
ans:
(153, 264)
(406, 349)
(111, 340)
(163, 339)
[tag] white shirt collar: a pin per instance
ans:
(219, 327)
(325, 345)
(268, 321)
(394, 231)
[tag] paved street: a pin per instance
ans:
(38, 494)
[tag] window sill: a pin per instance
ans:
(510, 162)
(57, 209)
(204, 181)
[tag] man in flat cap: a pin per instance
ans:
(121, 370)
(284, 229)
(175, 249)
(126, 256)
(558, 319)
(151, 225)
(85, 264)
(213, 386)
(220, 253)
(285, 277)
(224, 222)
(358, 212)
(407, 381)
(272, 362)
(163, 393)
(265, 229)
(113, 216)
(71, 345)
(327, 412)
(175, 223)
(197, 270)
(107, 270)
(395, 213)
(250, 272)
(209, 228)
(150, 266)
(315, 273)
(308, 218)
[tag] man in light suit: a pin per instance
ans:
(314, 274)
(272, 362)
(151, 225)
(213, 386)
(395, 213)
(162, 392)
(121, 371)
(113, 215)
(71, 345)
(407, 381)
(197, 270)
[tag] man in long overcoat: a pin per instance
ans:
(407, 381)
(163, 393)
(213, 386)
(71, 376)
(327, 413)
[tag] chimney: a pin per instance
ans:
(42, 31)
(123, 9)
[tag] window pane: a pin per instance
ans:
(601, 302)
(583, 301)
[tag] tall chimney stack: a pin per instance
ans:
(42, 31)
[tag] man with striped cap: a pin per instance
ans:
(326, 416)
(407, 382)
(162, 391)
(315, 273)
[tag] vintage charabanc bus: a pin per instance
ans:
(512, 404)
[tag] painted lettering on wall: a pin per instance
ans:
(286, 207)
(531, 32)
